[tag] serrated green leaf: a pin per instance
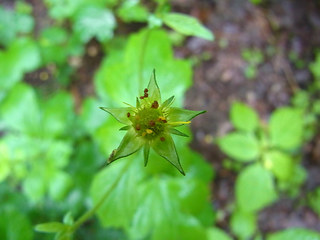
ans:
(239, 146)
(294, 234)
(243, 224)
(279, 163)
(254, 188)
(187, 25)
(94, 22)
(286, 128)
(243, 117)
(50, 227)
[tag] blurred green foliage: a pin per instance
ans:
(53, 147)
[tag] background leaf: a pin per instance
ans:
(187, 25)
(294, 234)
(243, 117)
(254, 188)
(286, 127)
(240, 146)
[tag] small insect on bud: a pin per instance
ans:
(145, 90)
(162, 139)
(155, 105)
(128, 114)
(142, 97)
(152, 123)
(138, 127)
(146, 95)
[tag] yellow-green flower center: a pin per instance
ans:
(149, 122)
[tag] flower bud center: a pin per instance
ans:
(149, 122)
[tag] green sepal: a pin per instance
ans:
(153, 88)
(51, 227)
(129, 145)
(125, 128)
(182, 115)
(177, 132)
(120, 114)
(146, 151)
(167, 150)
(167, 103)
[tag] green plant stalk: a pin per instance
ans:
(142, 56)
(92, 211)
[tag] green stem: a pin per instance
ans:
(142, 55)
(92, 211)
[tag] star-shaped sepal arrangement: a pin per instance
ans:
(150, 124)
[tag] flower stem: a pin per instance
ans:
(92, 211)
(142, 56)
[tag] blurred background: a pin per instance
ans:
(252, 162)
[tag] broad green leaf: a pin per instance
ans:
(294, 234)
(280, 164)
(94, 22)
(91, 116)
(21, 56)
(12, 23)
(132, 11)
(286, 128)
(121, 114)
(5, 160)
(217, 234)
(60, 185)
(243, 117)
(187, 25)
(153, 207)
(167, 150)
(52, 43)
(239, 146)
(130, 144)
(34, 188)
(20, 110)
(58, 115)
(119, 78)
(243, 224)
(14, 225)
(50, 227)
(314, 200)
(254, 188)
(182, 115)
